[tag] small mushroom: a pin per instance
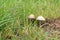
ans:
(40, 20)
(31, 19)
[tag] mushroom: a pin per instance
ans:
(40, 20)
(31, 19)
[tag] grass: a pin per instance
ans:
(16, 12)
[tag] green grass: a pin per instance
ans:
(15, 12)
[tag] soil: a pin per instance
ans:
(53, 27)
(54, 23)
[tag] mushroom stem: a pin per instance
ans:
(31, 19)
(40, 20)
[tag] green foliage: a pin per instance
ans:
(15, 12)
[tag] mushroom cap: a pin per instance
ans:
(31, 16)
(41, 18)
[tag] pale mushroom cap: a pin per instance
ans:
(41, 18)
(31, 16)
